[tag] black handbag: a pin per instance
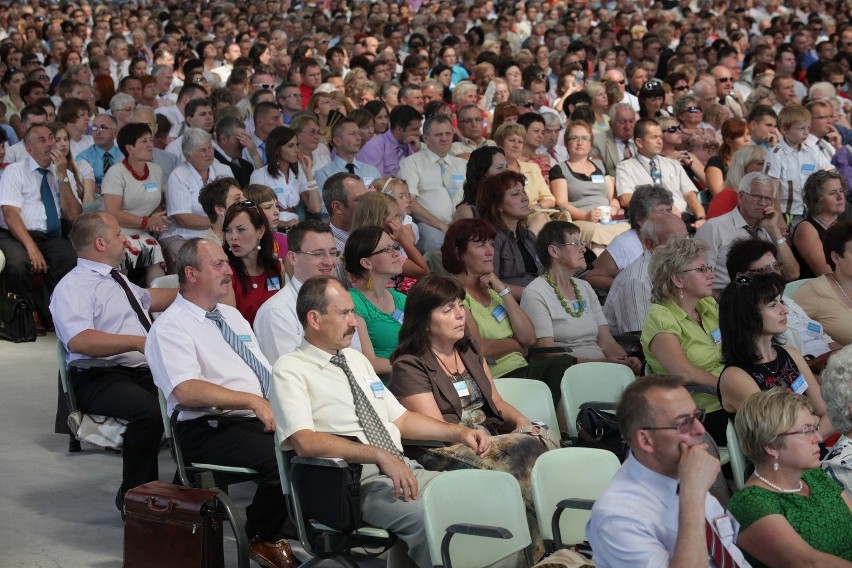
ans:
(330, 495)
(16, 319)
(597, 427)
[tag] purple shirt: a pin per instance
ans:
(384, 153)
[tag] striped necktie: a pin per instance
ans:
(240, 348)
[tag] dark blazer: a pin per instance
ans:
(241, 168)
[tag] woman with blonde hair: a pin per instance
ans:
(744, 161)
(397, 188)
(600, 105)
(322, 105)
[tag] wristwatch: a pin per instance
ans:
(504, 292)
(64, 180)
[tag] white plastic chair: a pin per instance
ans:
(565, 484)
(532, 398)
(737, 458)
(587, 382)
(460, 511)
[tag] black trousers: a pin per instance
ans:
(18, 274)
(127, 393)
(241, 442)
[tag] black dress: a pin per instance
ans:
(782, 372)
(805, 270)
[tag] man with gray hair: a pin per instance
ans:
(470, 127)
(755, 215)
(435, 179)
(119, 60)
(616, 144)
(630, 295)
(229, 142)
(121, 107)
(340, 195)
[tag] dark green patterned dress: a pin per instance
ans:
(822, 519)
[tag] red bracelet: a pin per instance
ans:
(144, 222)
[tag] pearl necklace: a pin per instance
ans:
(842, 291)
(776, 487)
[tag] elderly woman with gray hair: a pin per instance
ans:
(187, 217)
(680, 334)
(837, 392)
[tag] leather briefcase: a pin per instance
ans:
(171, 526)
(16, 319)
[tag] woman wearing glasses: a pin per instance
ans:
(752, 316)
(824, 195)
(790, 512)
(565, 310)
(680, 334)
(698, 136)
(250, 249)
(581, 187)
(372, 258)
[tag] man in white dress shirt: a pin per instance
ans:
(311, 252)
(648, 166)
(435, 178)
(657, 510)
(204, 353)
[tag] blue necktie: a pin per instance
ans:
(49, 204)
(262, 150)
(244, 352)
(655, 173)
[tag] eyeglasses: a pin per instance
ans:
(682, 88)
(394, 247)
(684, 425)
(760, 198)
(768, 269)
(703, 269)
(724, 79)
(104, 128)
(693, 109)
(673, 129)
(333, 253)
(199, 79)
(128, 109)
(265, 86)
(579, 139)
(577, 244)
(471, 121)
(807, 430)
(41, 78)
(292, 95)
(839, 85)
(830, 116)
(529, 105)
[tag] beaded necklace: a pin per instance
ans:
(548, 277)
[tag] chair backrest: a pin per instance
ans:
(596, 381)
(478, 497)
(164, 414)
(61, 354)
(434, 262)
(283, 466)
(791, 287)
(736, 456)
(532, 398)
(591, 469)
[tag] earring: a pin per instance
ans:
(680, 294)
(775, 466)
(370, 283)
(258, 246)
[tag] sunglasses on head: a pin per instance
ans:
(247, 204)
(652, 86)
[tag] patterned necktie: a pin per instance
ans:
(628, 153)
(49, 204)
(107, 161)
(240, 348)
(721, 556)
(134, 303)
(350, 167)
(375, 431)
(655, 173)
(552, 152)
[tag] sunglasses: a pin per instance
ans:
(265, 86)
(725, 80)
(529, 105)
(682, 88)
(652, 86)
(672, 129)
(839, 85)
(247, 204)
(693, 109)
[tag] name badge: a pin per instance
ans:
(273, 283)
(814, 329)
(800, 385)
(458, 181)
(716, 336)
(597, 178)
(499, 313)
(461, 388)
(246, 340)
(278, 190)
(398, 315)
(808, 167)
(150, 186)
(376, 386)
(724, 527)
(576, 305)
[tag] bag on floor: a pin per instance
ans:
(16, 319)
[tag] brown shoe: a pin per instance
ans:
(273, 554)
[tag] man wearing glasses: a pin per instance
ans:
(755, 216)
(470, 126)
(104, 153)
(311, 252)
(289, 98)
(657, 510)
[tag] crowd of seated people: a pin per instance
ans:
(296, 187)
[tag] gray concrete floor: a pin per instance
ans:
(57, 509)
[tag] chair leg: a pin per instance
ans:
(74, 444)
(343, 559)
(239, 528)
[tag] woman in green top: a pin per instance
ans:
(494, 318)
(372, 259)
(680, 334)
(790, 512)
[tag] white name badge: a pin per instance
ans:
(278, 190)
(499, 313)
(150, 186)
(246, 340)
(814, 329)
(716, 336)
(458, 182)
(800, 385)
(273, 283)
(597, 178)
(376, 386)
(808, 168)
(461, 388)
(724, 527)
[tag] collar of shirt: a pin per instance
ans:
(94, 266)
(339, 234)
(319, 356)
(432, 156)
(701, 307)
(391, 141)
(660, 485)
(34, 166)
(224, 153)
(739, 221)
(194, 310)
(340, 162)
(645, 161)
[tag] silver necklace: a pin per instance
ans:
(777, 488)
(842, 291)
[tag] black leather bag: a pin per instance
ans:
(597, 427)
(16, 319)
(329, 495)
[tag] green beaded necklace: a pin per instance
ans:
(548, 277)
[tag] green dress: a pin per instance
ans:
(382, 328)
(822, 519)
